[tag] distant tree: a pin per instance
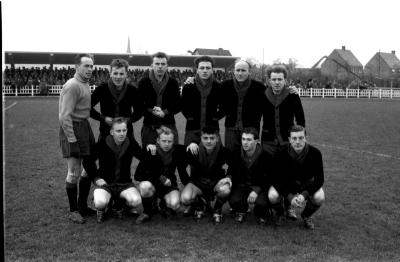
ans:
(292, 64)
(277, 61)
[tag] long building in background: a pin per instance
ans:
(18, 58)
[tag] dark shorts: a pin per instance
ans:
(116, 189)
(299, 186)
(84, 136)
(207, 188)
(162, 190)
(149, 134)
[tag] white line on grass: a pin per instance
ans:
(8, 107)
(359, 151)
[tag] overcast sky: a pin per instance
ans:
(305, 30)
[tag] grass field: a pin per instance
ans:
(360, 142)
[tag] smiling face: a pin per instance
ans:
(297, 141)
(118, 76)
(85, 68)
(205, 70)
(209, 141)
(118, 132)
(277, 82)
(242, 71)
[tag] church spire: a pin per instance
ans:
(128, 50)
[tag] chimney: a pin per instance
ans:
(393, 52)
(343, 47)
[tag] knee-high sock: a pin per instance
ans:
(310, 209)
(278, 207)
(199, 203)
(219, 202)
(89, 164)
(84, 189)
(147, 203)
(72, 192)
(118, 203)
(163, 204)
(286, 203)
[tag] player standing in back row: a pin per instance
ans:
(76, 137)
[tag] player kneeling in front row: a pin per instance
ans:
(250, 182)
(156, 173)
(299, 177)
(114, 177)
(210, 176)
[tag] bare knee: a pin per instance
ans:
(273, 195)
(74, 170)
(133, 200)
(172, 200)
(319, 197)
(83, 173)
(146, 189)
(186, 196)
(223, 191)
(132, 197)
(72, 177)
(101, 199)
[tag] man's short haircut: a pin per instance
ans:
(78, 57)
(297, 128)
(119, 120)
(241, 60)
(159, 55)
(204, 58)
(163, 130)
(210, 130)
(118, 63)
(277, 68)
(251, 130)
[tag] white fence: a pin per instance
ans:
(312, 92)
(350, 93)
(34, 90)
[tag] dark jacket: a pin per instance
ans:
(252, 104)
(171, 101)
(289, 110)
(221, 168)
(114, 166)
(294, 177)
(152, 168)
(129, 105)
(191, 105)
(258, 175)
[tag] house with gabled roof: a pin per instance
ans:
(383, 65)
(342, 64)
(211, 52)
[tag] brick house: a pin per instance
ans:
(340, 63)
(383, 66)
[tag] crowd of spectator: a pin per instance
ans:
(18, 77)
(48, 76)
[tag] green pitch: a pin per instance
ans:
(360, 142)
